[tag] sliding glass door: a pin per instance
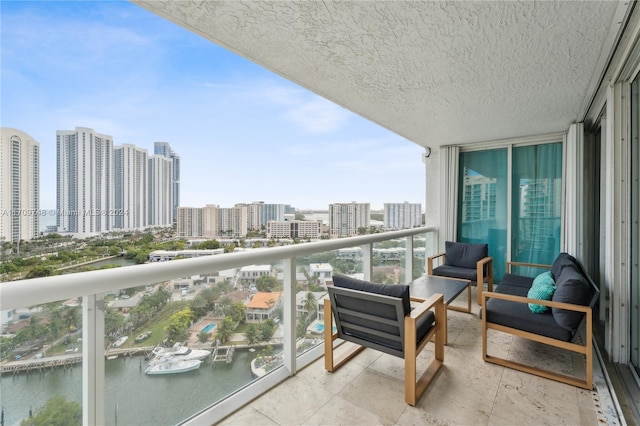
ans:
(523, 208)
(536, 203)
(482, 203)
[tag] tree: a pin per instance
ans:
(178, 327)
(57, 412)
(209, 245)
(226, 329)
(267, 329)
(267, 283)
(310, 305)
(203, 336)
(251, 333)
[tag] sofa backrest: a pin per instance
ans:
(464, 255)
(370, 314)
(573, 285)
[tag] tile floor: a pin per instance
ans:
(369, 390)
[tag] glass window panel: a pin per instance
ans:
(536, 203)
(482, 203)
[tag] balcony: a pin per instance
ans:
(300, 390)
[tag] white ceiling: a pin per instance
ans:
(437, 73)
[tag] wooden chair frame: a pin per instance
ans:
(413, 389)
(481, 278)
(586, 349)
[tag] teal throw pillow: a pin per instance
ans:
(542, 288)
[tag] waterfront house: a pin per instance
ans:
(263, 306)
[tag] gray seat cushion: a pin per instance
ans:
(456, 272)
(571, 287)
(464, 255)
(519, 316)
(423, 325)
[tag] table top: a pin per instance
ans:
(428, 285)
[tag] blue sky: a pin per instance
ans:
(243, 133)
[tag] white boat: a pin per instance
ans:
(170, 365)
(120, 342)
(181, 352)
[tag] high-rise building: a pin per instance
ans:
(402, 215)
(85, 190)
(210, 221)
(20, 185)
(272, 212)
(232, 222)
(131, 191)
(346, 218)
(164, 149)
(160, 175)
(189, 223)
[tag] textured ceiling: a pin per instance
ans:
(435, 73)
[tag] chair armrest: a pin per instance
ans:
(533, 265)
(434, 301)
(480, 267)
(520, 299)
(430, 260)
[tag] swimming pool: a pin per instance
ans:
(209, 328)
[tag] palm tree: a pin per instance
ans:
(226, 329)
(310, 305)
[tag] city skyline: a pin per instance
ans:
(243, 133)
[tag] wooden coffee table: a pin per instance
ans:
(428, 285)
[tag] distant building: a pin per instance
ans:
(160, 186)
(84, 179)
(263, 306)
(19, 185)
(190, 222)
(346, 218)
(295, 229)
(164, 149)
(131, 194)
(402, 215)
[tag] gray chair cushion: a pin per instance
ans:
(423, 325)
(464, 255)
(519, 316)
(571, 287)
(393, 290)
(563, 259)
(456, 272)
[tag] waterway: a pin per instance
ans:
(132, 398)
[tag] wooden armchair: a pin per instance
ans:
(380, 317)
(466, 261)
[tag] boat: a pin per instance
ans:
(143, 336)
(119, 342)
(170, 365)
(180, 352)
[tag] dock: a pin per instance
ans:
(64, 361)
(222, 354)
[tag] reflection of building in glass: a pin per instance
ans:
(479, 199)
(540, 205)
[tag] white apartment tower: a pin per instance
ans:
(160, 186)
(402, 215)
(189, 223)
(130, 187)
(85, 191)
(346, 218)
(20, 185)
(164, 149)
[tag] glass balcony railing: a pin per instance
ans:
(102, 342)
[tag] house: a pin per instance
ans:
(263, 306)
